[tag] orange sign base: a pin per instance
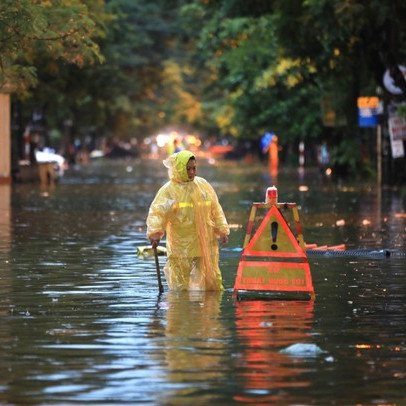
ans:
(277, 276)
(274, 259)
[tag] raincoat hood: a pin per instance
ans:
(176, 164)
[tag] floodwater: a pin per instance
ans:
(82, 322)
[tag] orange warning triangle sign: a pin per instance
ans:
(274, 238)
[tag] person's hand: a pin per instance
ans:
(224, 239)
(154, 239)
(154, 243)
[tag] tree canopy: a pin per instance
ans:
(32, 31)
(128, 68)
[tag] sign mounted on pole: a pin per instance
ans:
(389, 81)
(368, 111)
(397, 130)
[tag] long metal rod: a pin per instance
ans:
(158, 272)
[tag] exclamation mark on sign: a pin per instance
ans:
(274, 232)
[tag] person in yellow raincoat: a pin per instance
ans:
(188, 210)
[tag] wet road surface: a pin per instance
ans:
(82, 322)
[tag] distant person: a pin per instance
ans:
(174, 147)
(273, 155)
(177, 146)
(323, 156)
(188, 210)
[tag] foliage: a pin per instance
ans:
(316, 48)
(224, 67)
(256, 89)
(31, 31)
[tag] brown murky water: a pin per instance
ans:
(81, 321)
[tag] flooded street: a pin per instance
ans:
(82, 323)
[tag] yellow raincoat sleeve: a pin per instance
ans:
(159, 212)
(220, 224)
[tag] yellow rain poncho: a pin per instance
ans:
(190, 213)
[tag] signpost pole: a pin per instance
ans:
(379, 154)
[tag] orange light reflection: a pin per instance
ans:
(264, 328)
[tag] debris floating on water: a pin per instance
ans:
(147, 251)
(303, 350)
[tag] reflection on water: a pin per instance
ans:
(82, 323)
(193, 346)
(264, 327)
(5, 192)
